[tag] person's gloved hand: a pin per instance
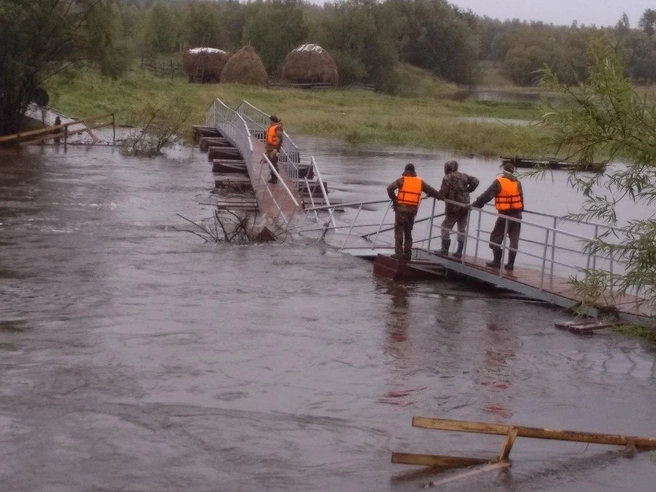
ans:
(394, 205)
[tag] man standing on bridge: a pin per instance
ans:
(456, 186)
(509, 201)
(274, 135)
(405, 205)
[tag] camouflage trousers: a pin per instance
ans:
(403, 223)
(452, 219)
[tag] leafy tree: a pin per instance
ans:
(204, 26)
(648, 22)
(37, 39)
(161, 33)
(640, 56)
(604, 119)
(434, 35)
(276, 29)
(356, 31)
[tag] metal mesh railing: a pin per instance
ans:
(550, 244)
(258, 122)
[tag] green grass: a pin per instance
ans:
(425, 116)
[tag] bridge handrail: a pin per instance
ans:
(613, 261)
(290, 154)
(241, 137)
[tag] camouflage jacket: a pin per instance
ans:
(456, 186)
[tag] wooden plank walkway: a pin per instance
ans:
(555, 289)
(271, 196)
(531, 283)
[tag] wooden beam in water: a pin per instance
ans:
(436, 460)
(507, 446)
(532, 432)
(483, 469)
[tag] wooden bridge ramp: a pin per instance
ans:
(240, 170)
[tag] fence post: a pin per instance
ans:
(430, 227)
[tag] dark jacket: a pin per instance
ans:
(456, 186)
(425, 188)
(494, 190)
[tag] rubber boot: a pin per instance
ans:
(496, 262)
(458, 253)
(446, 244)
(511, 261)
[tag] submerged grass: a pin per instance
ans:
(641, 332)
(429, 120)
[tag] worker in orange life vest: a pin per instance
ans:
(509, 202)
(405, 204)
(274, 135)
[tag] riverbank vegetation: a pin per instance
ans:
(422, 58)
(428, 118)
(608, 117)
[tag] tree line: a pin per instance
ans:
(367, 39)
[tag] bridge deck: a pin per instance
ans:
(269, 194)
(532, 283)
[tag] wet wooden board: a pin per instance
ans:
(483, 469)
(586, 327)
(206, 142)
(386, 266)
(436, 460)
(533, 432)
(229, 167)
(559, 286)
(223, 153)
(205, 131)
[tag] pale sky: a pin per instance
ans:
(563, 12)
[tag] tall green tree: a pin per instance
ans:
(604, 118)
(37, 39)
(276, 29)
(161, 34)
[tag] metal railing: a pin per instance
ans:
(287, 197)
(258, 122)
(551, 244)
(234, 127)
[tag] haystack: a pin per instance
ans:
(204, 64)
(245, 67)
(310, 64)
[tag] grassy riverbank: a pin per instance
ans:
(428, 115)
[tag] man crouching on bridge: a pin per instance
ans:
(405, 205)
(509, 201)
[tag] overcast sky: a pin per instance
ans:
(588, 12)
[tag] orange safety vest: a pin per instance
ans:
(509, 198)
(272, 137)
(410, 192)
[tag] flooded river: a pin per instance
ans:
(136, 357)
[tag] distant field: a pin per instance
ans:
(428, 114)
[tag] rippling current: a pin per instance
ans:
(136, 357)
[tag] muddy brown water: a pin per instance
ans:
(135, 357)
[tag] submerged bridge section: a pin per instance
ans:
(554, 255)
(234, 140)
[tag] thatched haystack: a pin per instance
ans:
(310, 64)
(245, 67)
(204, 64)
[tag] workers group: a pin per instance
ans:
(455, 191)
